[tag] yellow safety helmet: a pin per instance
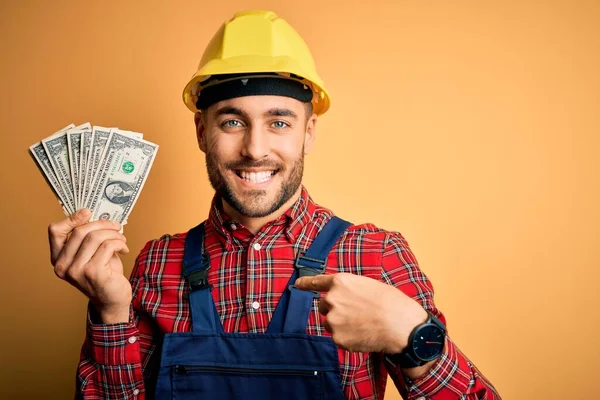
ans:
(258, 42)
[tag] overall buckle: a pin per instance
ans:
(308, 266)
(198, 279)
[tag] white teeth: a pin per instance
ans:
(256, 177)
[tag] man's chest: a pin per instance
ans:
(247, 284)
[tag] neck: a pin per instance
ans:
(255, 224)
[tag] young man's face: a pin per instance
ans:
(255, 148)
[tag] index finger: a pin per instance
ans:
(58, 232)
(318, 283)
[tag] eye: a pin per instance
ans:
(232, 123)
(280, 124)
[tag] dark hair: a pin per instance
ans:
(309, 109)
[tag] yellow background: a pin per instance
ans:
(471, 127)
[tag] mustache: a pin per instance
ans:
(243, 164)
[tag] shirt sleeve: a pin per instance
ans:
(113, 356)
(453, 375)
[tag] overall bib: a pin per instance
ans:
(283, 363)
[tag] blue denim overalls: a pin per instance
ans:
(283, 363)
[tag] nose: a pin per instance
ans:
(256, 144)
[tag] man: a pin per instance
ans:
(272, 296)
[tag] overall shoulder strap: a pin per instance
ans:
(291, 315)
(314, 261)
(195, 270)
(195, 262)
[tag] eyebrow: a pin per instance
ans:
(228, 110)
(280, 112)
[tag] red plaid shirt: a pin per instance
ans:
(249, 273)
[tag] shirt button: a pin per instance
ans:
(132, 339)
(136, 392)
(422, 398)
(233, 227)
(256, 305)
(256, 246)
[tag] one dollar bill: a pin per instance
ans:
(122, 173)
(39, 155)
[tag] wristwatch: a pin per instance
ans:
(425, 343)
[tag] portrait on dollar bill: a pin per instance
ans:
(118, 192)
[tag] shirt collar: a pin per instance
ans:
(293, 220)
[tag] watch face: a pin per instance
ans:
(428, 342)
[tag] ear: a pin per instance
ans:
(311, 134)
(200, 131)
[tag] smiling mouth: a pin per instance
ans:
(255, 177)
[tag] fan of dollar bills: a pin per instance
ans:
(102, 169)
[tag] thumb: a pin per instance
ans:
(79, 217)
(59, 231)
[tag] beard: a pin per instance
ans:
(255, 203)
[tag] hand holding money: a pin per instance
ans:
(101, 169)
(97, 175)
(85, 254)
